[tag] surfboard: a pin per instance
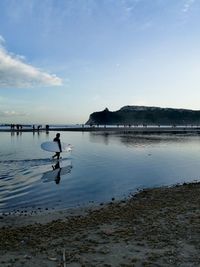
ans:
(52, 146)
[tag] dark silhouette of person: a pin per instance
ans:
(57, 139)
(47, 129)
(57, 166)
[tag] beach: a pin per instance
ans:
(155, 227)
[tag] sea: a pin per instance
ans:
(101, 167)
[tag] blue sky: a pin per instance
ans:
(60, 60)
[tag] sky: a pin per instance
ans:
(61, 60)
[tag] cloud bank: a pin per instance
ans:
(15, 73)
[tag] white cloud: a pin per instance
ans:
(2, 41)
(187, 5)
(15, 73)
(11, 113)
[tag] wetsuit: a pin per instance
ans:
(57, 139)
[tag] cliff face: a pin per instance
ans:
(145, 115)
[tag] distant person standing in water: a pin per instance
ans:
(57, 139)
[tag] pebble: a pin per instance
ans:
(52, 259)
(27, 257)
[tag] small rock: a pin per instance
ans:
(27, 257)
(52, 259)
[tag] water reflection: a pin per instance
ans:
(105, 165)
(17, 133)
(56, 172)
(135, 140)
(103, 137)
(21, 180)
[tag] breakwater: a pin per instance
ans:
(105, 128)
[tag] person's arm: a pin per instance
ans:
(59, 144)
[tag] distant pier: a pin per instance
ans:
(132, 129)
(107, 128)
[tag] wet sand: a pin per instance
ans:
(156, 227)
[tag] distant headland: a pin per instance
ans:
(143, 115)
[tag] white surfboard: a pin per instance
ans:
(52, 146)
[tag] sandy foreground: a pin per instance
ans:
(156, 227)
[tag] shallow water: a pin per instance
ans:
(101, 167)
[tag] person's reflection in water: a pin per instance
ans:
(55, 167)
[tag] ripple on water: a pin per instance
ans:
(20, 182)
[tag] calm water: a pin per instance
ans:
(101, 166)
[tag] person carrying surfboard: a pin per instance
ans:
(57, 139)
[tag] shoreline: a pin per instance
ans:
(155, 227)
(105, 129)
